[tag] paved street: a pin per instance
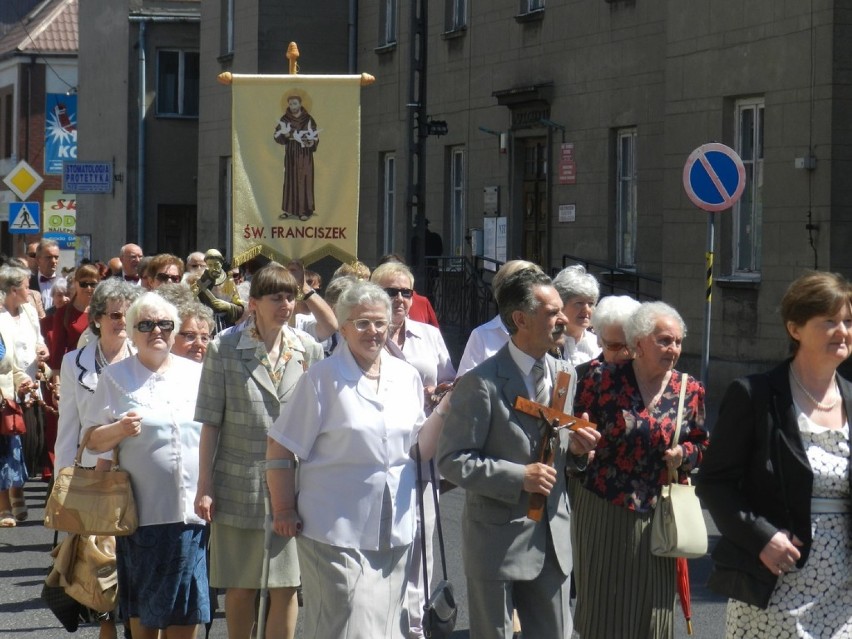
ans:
(25, 562)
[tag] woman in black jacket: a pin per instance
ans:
(776, 478)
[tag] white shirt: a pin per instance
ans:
(485, 340)
(583, 351)
(425, 350)
(45, 288)
(525, 363)
(163, 459)
(26, 332)
(352, 442)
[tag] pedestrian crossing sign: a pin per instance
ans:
(24, 217)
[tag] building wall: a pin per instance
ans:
(104, 106)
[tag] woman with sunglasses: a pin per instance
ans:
(163, 269)
(353, 421)
(144, 406)
(71, 321)
(249, 375)
(422, 346)
(622, 589)
(79, 376)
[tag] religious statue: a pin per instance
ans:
(215, 288)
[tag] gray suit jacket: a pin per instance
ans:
(484, 446)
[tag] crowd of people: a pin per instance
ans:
(270, 427)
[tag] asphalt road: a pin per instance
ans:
(25, 561)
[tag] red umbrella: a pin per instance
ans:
(683, 591)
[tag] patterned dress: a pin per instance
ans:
(816, 601)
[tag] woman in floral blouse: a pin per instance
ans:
(622, 589)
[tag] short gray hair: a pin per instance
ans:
(12, 276)
(517, 293)
(643, 322)
(149, 302)
(361, 292)
(336, 287)
(109, 290)
(613, 310)
(574, 281)
(197, 311)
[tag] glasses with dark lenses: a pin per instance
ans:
(147, 326)
(87, 284)
(165, 277)
(191, 337)
(32, 255)
(405, 292)
(363, 324)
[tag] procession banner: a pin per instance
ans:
(296, 167)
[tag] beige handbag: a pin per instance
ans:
(92, 502)
(678, 528)
(84, 565)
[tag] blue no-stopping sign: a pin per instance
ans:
(714, 177)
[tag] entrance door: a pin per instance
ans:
(176, 229)
(535, 205)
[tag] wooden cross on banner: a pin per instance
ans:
(553, 419)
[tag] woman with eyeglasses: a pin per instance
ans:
(249, 375)
(81, 370)
(422, 346)
(71, 321)
(163, 269)
(622, 589)
(193, 337)
(352, 422)
(144, 406)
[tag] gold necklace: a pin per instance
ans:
(817, 404)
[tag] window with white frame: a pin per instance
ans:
(456, 12)
(388, 201)
(748, 211)
(625, 197)
(177, 83)
(528, 6)
(387, 23)
(458, 217)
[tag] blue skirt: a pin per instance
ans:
(162, 575)
(13, 470)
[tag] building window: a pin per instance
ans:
(388, 201)
(528, 6)
(748, 212)
(457, 201)
(177, 83)
(227, 24)
(387, 24)
(456, 12)
(625, 198)
(7, 122)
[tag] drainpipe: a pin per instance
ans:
(140, 152)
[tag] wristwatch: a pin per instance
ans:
(302, 297)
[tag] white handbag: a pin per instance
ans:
(678, 528)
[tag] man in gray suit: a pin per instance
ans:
(491, 450)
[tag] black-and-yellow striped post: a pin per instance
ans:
(705, 351)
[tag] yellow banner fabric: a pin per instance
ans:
(296, 167)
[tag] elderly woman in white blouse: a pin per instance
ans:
(353, 421)
(144, 405)
(579, 291)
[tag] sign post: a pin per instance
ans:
(714, 179)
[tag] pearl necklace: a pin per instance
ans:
(817, 404)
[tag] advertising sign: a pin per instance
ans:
(60, 132)
(86, 177)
